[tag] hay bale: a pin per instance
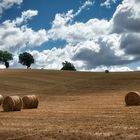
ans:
(106, 71)
(12, 103)
(132, 98)
(1, 99)
(30, 101)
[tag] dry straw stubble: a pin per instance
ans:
(132, 98)
(12, 103)
(30, 101)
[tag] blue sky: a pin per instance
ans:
(92, 34)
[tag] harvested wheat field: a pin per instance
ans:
(72, 106)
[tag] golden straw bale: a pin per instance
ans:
(1, 99)
(30, 101)
(12, 103)
(132, 98)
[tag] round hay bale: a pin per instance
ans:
(30, 101)
(132, 98)
(106, 71)
(1, 99)
(12, 103)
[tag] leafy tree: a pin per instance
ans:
(68, 66)
(5, 57)
(26, 59)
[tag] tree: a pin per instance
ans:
(7, 64)
(26, 59)
(68, 66)
(5, 57)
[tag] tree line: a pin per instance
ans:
(27, 59)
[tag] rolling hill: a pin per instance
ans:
(73, 105)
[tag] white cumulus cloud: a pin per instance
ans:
(26, 15)
(15, 37)
(6, 4)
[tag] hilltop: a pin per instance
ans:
(53, 82)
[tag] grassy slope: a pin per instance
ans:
(65, 83)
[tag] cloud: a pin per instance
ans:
(77, 32)
(130, 42)
(108, 3)
(85, 56)
(2, 66)
(109, 53)
(15, 35)
(6, 4)
(120, 69)
(138, 68)
(85, 5)
(112, 69)
(26, 15)
(66, 18)
(52, 59)
(127, 17)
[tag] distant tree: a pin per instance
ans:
(5, 57)
(26, 59)
(68, 66)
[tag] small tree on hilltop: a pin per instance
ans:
(68, 66)
(26, 59)
(5, 57)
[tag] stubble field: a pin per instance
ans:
(73, 106)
